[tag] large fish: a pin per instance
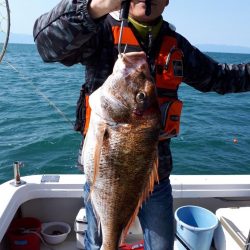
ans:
(120, 148)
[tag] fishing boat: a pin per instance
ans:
(58, 198)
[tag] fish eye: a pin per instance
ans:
(140, 97)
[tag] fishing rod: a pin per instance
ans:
(4, 26)
(124, 12)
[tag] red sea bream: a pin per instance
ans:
(120, 148)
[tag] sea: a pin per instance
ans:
(37, 113)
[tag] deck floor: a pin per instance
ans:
(70, 243)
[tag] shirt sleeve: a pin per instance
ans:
(206, 74)
(66, 34)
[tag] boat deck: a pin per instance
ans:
(44, 199)
(70, 243)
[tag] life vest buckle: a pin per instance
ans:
(171, 114)
(177, 64)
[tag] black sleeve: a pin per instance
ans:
(205, 74)
(67, 34)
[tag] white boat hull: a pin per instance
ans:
(60, 201)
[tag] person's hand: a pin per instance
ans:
(99, 8)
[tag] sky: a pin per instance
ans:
(224, 22)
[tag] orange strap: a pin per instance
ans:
(128, 36)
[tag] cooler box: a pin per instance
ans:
(80, 227)
(233, 230)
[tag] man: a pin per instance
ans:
(81, 31)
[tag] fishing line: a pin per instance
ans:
(38, 91)
(5, 30)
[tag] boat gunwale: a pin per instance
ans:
(71, 186)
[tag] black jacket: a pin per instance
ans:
(68, 35)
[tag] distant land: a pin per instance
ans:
(28, 39)
(18, 38)
(21, 38)
(223, 48)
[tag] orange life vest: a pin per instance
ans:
(168, 77)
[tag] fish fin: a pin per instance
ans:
(153, 178)
(155, 170)
(95, 134)
(145, 194)
(99, 133)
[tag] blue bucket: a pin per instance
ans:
(194, 228)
